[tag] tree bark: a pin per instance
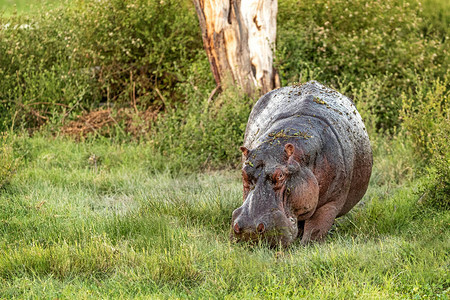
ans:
(238, 36)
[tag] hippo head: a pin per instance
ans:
(278, 193)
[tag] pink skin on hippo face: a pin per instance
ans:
(307, 160)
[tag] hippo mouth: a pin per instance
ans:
(273, 239)
(274, 236)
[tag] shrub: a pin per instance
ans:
(140, 46)
(39, 80)
(427, 121)
(436, 14)
(342, 43)
(57, 64)
(205, 133)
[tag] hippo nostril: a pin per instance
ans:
(260, 228)
(236, 227)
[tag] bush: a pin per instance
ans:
(40, 81)
(57, 64)
(346, 43)
(205, 133)
(427, 121)
(140, 46)
(8, 163)
(436, 14)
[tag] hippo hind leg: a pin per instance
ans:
(317, 227)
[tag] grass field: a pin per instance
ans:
(93, 220)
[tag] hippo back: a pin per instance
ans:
(311, 99)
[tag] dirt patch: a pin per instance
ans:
(106, 122)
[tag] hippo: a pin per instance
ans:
(306, 161)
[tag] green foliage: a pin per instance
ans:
(436, 14)
(352, 43)
(9, 7)
(72, 58)
(140, 46)
(427, 116)
(8, 161)
(56, 64)
(206, 132)
(427, 121)
(38, 81)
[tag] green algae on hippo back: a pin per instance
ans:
(306, 160)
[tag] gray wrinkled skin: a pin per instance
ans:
(327, 174)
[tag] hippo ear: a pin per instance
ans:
(289, 149)
(244, 151)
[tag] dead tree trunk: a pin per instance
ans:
(238, 36)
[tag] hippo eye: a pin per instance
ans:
(248, 180)
(279, 177)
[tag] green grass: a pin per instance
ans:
(73, 228)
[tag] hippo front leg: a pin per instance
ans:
(316, 228)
